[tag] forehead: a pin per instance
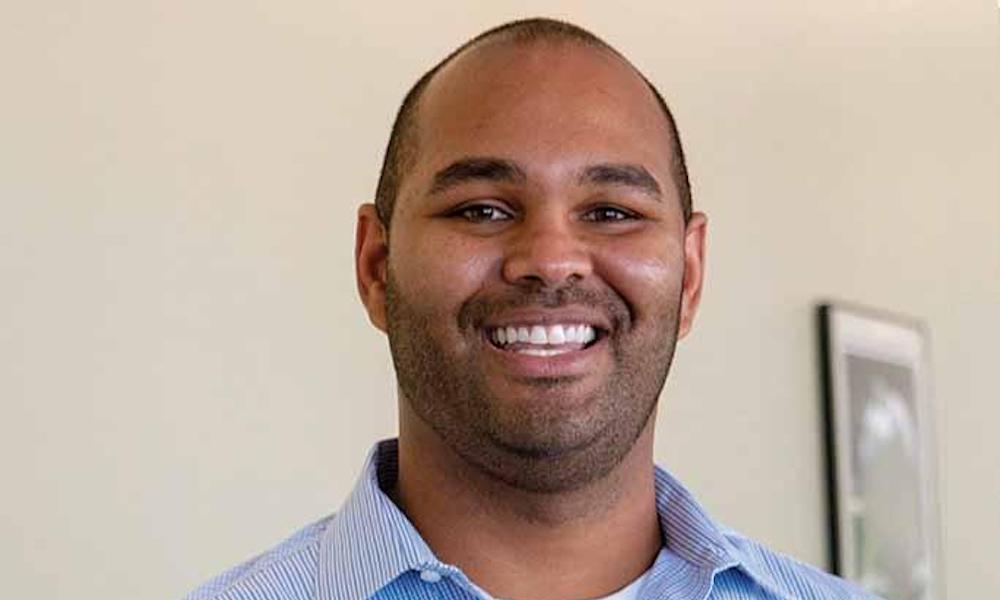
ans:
(551, 105)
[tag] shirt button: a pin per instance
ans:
(430, 576)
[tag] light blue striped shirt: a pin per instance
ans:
(370, 550)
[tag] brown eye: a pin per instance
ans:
(482, 213)
(609, 213)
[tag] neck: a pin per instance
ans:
(526, 545)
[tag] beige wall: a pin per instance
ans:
(186, 376)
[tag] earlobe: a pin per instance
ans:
(371, 254)
(694, 271)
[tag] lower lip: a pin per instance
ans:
(575, 363)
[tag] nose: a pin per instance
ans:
(546, 252)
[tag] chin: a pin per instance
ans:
(547, 460)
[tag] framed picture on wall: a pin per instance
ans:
(880, 452)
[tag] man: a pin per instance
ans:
(533, 256)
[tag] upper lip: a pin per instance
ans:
(546, 317)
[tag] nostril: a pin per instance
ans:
(545, 275)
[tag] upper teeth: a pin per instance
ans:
(540, 335)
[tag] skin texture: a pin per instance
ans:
(534, 477)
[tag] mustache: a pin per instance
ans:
(478, 309)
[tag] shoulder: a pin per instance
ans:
(285, 572)
(789, 577)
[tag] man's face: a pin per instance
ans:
(534, 282)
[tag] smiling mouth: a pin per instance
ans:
(544, 340)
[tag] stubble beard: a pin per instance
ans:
(534, 447)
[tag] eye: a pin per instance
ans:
(481, 213)
(602, 214)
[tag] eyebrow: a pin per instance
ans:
(488, 168)
(477, 168)
(628, 175)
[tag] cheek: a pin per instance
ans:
(440, 272)
(648, 276)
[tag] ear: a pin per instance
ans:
(694, 270)
(371, 255)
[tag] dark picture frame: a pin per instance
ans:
(880, 451)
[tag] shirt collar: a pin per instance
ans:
(691, 535)
(371, 542)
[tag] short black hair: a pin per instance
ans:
(400, 154)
